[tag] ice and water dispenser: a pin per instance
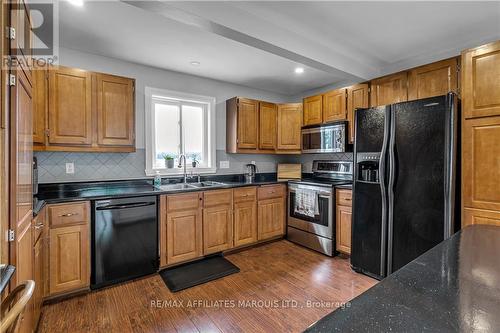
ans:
(368, 168)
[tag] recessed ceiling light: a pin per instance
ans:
(299, 70)
(78, 3)
(195, 63)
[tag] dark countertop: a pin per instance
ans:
(344, 186)
(67, 192)
(454, 287)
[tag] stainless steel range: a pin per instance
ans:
(311, 205)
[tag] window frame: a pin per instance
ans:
(171, 97)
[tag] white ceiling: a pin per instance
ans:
(258, 44)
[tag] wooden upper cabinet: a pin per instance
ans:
(357, 98)
(334, 105)
(481, 81)
(78, 110)
(40, 104)
(389, 89)
(434, 79)
(70, 106)
(480, 163)
(289, 125)
(267, 125)
(313, 110)
(248, 123)
(115, 110)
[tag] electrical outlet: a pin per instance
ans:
(224, 164)
(70, 168)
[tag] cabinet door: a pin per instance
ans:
(38, 263)
(334, 105)
(480, 216)
(217, 229)
(357, 98)
(69, 258)
(271, 218)
(313, 110)
(245, 223)
(248, 123)
(40, 100)
(481, 81)
(344, 217)
(432, 80)
(289, 125)
(184, 235)
(70, 106)
(267, 125)
(481, 163)
(24, 269)
(389, 89)
(115, 110)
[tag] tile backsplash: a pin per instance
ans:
(116, 166)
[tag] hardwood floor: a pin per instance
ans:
(279, 289)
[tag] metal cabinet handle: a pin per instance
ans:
(347, 199)
(38, 226)
(68, 214)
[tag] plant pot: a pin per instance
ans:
(169, 163)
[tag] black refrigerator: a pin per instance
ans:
(405, 174)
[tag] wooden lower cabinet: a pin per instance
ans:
(38, 272)
(196, 224)
(217, 229)
(480, 216)
(24, 270)
(245, 223)
(271, 218)
(343, 221)
(344, 218)
(69, 258)
(184, 235)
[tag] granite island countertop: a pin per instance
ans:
(454, 287)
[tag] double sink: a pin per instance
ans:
(190, 186)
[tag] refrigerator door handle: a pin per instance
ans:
(383, 189)
(390, 194)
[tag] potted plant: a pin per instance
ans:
(169, 160)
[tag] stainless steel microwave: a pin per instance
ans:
(326, 138)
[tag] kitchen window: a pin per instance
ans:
(179, 123)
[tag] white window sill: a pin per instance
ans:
(175, 171)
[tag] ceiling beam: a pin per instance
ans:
(184, 17)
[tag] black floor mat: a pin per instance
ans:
(198, 272)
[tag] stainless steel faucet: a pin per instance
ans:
(183, 157)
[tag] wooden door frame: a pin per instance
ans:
(4, 139)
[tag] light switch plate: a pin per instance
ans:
(224, 164)
(70, 168)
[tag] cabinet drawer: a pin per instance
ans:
(344, 197)
(217, 197)
(74, 213)
(245, 194)
(271, 191)
(187, 201)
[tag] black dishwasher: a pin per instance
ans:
(124, 239)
